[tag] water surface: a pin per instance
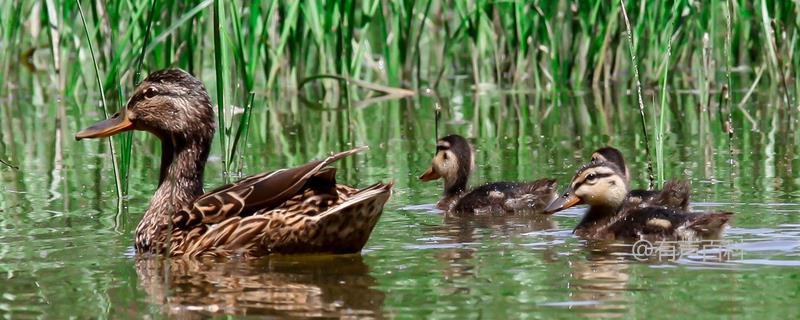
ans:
(65, 250)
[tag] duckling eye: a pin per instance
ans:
(591, 177)
(150, 92)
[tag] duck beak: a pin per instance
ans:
(429, 175)
(567, 200)
(119, 122)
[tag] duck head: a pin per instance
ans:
(612, 155)
(168, 103)
(452, 162)
(598, 184)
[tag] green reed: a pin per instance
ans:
(220, 65)
(103, 104)
(660, 168)
(638, 82)
(549, 48)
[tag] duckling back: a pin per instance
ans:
(660, 223)
(674, 195)
(506, 197)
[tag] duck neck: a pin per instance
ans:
(182, 164)
(180, 181)
(455, 186)
(597, 217)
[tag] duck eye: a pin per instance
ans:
(150, 92)
(591, 177)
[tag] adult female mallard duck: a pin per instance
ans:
(675, 193)
(454, 163)
(296, 210)
(602, 186)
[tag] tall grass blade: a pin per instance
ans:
(242, 131)
(662, 116)
(185, 17)
(126, 138)
(220, 58)
(111, 147)
(635, 67)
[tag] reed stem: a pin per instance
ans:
(117, 180)
(638, 92)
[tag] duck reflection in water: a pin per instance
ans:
(457, 238)
(599, 282)
(279, 286)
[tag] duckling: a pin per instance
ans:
(602, 186)
(675, 193)
(454, 163)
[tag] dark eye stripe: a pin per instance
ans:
(602, 175)
(440, 148)
(135, 99)
(141, 96)
(596, 175)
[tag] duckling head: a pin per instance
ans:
(168, 103)
(612, 155)
(600, 184)
(452, 162)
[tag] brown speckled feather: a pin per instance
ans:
(343, 228)
(259, 192)
(311, 214)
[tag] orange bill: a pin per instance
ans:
(429, 175)
(563, 202)
(109, 127)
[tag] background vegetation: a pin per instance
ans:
(536, 85)
(280, 57)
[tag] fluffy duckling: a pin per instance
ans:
(602, 186)
(454, 163)
(674, 195)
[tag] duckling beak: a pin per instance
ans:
(429, 175)
(109, 127)
(567, 200)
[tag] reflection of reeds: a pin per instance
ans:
(8, 164)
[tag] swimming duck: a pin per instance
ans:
(454, 162)
(602, 186)
(295, 210)
(675, 193)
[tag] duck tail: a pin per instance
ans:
(676, 194)
(542, 186)
(346, 227)
(546, 191)
(710, 224)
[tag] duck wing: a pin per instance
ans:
(343, 227)
(260, 192)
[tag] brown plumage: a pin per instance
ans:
(295, 210)
(602, 186)
(454, 163)
(674, 194)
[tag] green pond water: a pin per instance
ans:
(66, 251)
